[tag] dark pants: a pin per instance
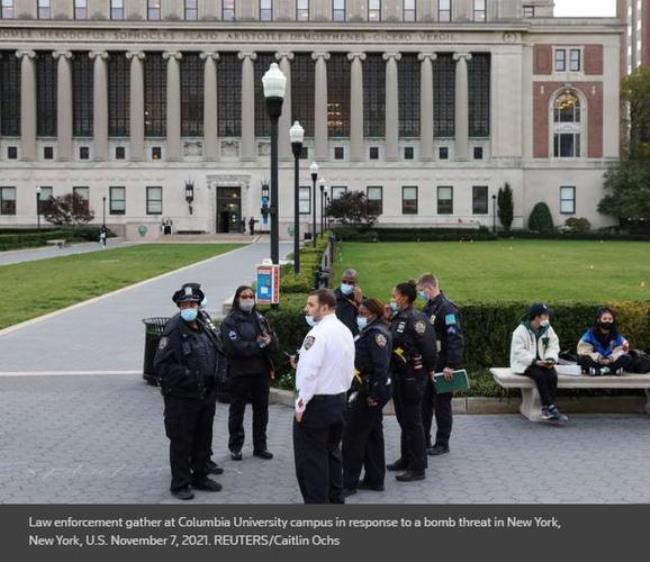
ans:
(317, 449)
(241, 387)
(624, 362)
(440, 405)
(188, 425)
(546, 382)
(363, 445)
(407, 399)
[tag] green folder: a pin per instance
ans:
(460, 381)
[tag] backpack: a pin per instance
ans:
(641, 361)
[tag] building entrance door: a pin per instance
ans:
(229, 209)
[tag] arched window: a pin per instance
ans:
(567, 125)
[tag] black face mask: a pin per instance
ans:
(605, 326)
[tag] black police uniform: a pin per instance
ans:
(347, 311)
(185, 364)
(446, 320)
(413, 358)
(249, 370)
(363, 437)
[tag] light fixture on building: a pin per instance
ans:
(189, 193)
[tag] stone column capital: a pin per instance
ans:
(205, 55)
(360, 56)
(177, 55)
(389, 56)
(26, 53)
(247, 55)
(135, 55)
(98, 54)
(459, 56)
(62, 53)
(320, 55)
(430, 56)
(284, 55)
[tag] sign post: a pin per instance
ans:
(268, 284)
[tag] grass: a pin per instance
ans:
(510, 270)
(36, 288)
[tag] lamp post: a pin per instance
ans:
(297, 136)
(274, 83)
(38, 207)
(494, 214)
(189, 194)
(314, 176)
(328, 200)
(104, 212)
(322, 204)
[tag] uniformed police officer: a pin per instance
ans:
(445, 317)
(324, 373)
(363, 437)
(348, 299)
(413, 360)
(185, 363)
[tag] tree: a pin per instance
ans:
(540, 219)
(506, 206)
(352, 208)
(635, 94)
(627, 185)
(68, 210)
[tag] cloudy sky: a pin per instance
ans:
(585, 8)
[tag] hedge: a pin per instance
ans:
(310, 259)
(12, 239)
(412, 234)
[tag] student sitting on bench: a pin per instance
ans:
(601, 349)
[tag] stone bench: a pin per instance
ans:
(61, 243)
(531, 406)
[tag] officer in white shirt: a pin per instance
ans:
(324, 374)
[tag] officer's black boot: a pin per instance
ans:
(399, 464)
(183, 493)
(410, 476)
(437, 450)
(205, 483)
(214, 468)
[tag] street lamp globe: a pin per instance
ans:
(313, 169)
(274, 83)
(296, 133)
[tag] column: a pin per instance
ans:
(173, 105)
(426, 105)
(247, 150)
(100, 104)
(136, 111)
(462, 107)
(392, 107)
(284, 123)
(27, 104)
(64, 105)
(321, 149)
(210, 125)
(356, 106)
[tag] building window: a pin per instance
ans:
(567, 200)
(478, 69)
(81, 9)
(262, 121)
(566, 145)
(120, 153)
(302, 99)
(443, 153)
(560, 60)
(117, 200)
(445, 200)
(12, 152)
(339, 153)
(338, 96)
(574, 60)
(374, 96)
(302, 10)
(46, 82)
(82, 95)
(408, 153)
(7, 10)
(409, 200)
(156, 153)
(155, 95)
(44, 9)
(408, 77)
(304, 153)
(375, 200)
(153, 10)
(374, 10)
(478, 153)
(444, 93)
(191, 10)
(444, 10)
(46, 194)
(7, 200)
(304, 201)
(192, 69)
(228, 10)
(529, 11)
(266, 10)
(154, 200)
(373, 153)
(408, 13)
(229, 99)
(81, 198)
(117, 9)
(338, 10)
(84, 153)
(338, 191)
(567, 126)
(480, 10)
(480, 200)
(48, 153)
(119, 79)
(567, 108)
(9, 95)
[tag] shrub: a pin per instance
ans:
(506, 206)
(413, 234)
(540, 219)
(578, 224)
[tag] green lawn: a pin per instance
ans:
(511, 270)
(35, 288)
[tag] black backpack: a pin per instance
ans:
(641, 363)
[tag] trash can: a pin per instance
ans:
(153, 331)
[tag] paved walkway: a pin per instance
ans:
(108, 334)
(46, 252)
(101, 439)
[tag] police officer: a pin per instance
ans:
(445, 317)
(323, 375)
(363, 437)
(412, 361)
(185, 363)
(249, 343)
(348, 298)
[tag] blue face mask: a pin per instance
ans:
(310, 320)
(423, 295)
(347, 289)
(362, 322)
(189, 314)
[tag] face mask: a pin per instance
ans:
(394, 307)
(423, 295)
(347, 289)
(545, 323)
(310, 320)
(189, 314)
(606, 326)
(246, 304)
(362, 322)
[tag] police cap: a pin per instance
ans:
(189, 292)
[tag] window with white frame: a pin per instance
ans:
(374, 10)
(228, 10)
(480, 10)
(480, 200)
(191, 10)
(7, 200)
(338, 191)
(154, 12)
(154, 200)
(304, 200)
(409, 200)
(302, 10)
(445, 200)
(409, 10)
(7, 10)
(338, 10)
(574, 60)
(567, 125)
(567, 200)
(81, 9)
(560, 60)
(529, 11)
(117, 200)
(44, 9)
(266, 10)
(444, 10)
(117, 9)
(375, 200)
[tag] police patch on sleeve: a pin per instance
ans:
(420, 327)
(232, 335)
(162, 344)
(309, 341)
(450, 319)
(380, 340)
